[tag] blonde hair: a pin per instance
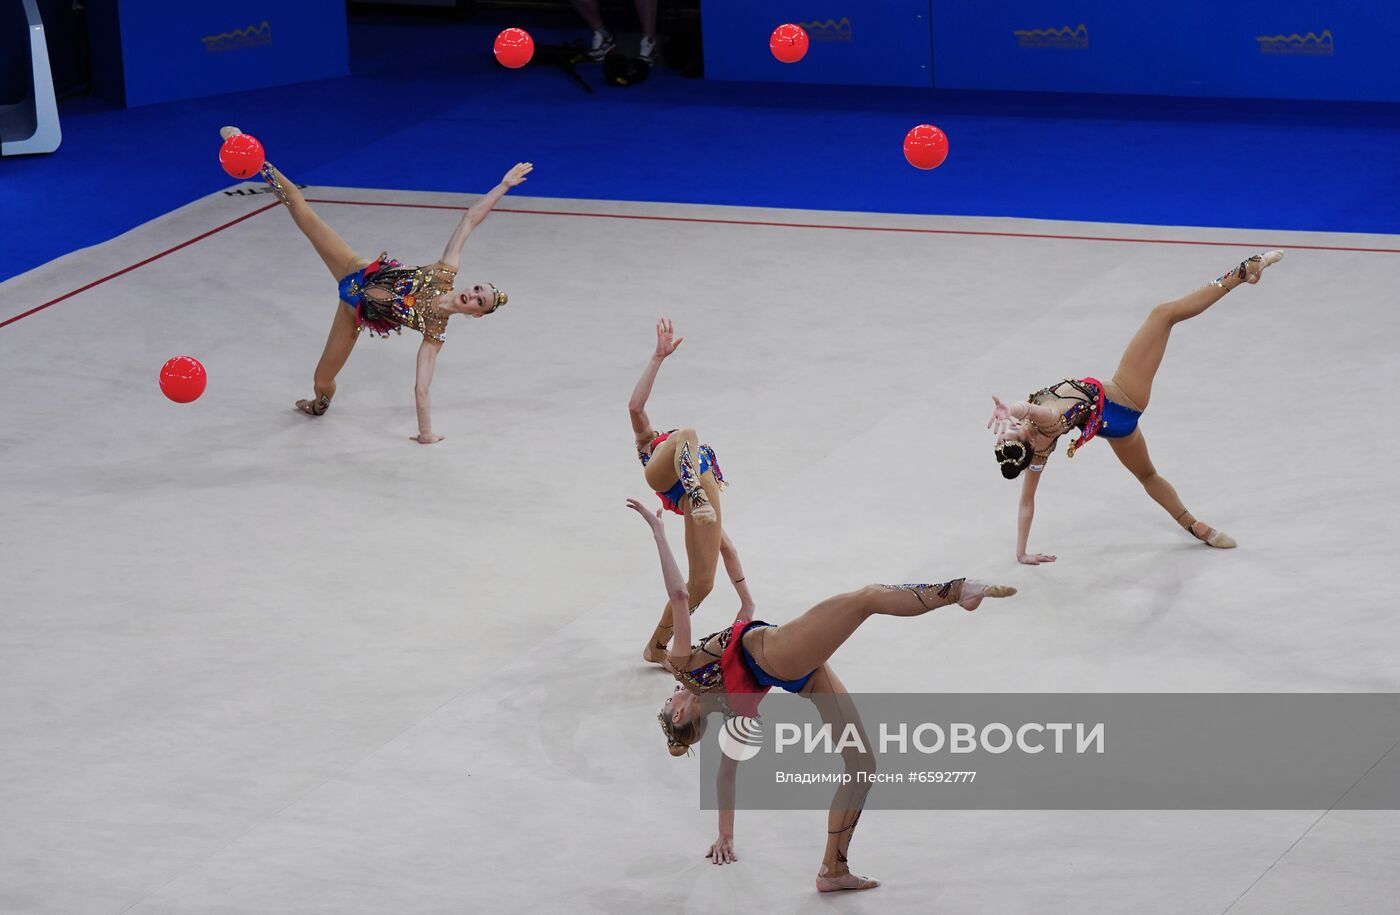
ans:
(680, 737)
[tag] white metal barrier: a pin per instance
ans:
(31, 126)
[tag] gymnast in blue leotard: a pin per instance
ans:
(1028, 430)
(730, 672)
(684, 473)
(384, 296)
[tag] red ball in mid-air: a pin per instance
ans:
(926, 146)
(182, 379)
(514, 48)
(241, 156)
(788, 43)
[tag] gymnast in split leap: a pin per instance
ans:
(1028, 430)
(731, 670)
(383, 296)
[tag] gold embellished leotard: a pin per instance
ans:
(708, 676)
(1084, 412)
(733, 679)
(388, 296)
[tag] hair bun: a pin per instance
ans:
(1014, 456)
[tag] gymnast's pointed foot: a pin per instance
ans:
(226, 132)
(1249, 270)
(1254, 267)
(701, 509)
(315, 407)
(655, 652)
(973, 591)
(835, 883)
(1212, 537)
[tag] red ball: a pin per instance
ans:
(788, 43)
(514, 48)
(926, 146)
(241, 156)
(182, 379)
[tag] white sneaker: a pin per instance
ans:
(648, 52)
(226, 132)
(602, 43)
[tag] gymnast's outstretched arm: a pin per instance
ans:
(452, 254)
(676, 589)
(666, 344)
(1025, 515)
(735, 570)
(422, 382)
(1005, 414)
(722, 849)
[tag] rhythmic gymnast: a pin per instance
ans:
(686, 477)
(731, 670)
(1027, 430)
(384, 296)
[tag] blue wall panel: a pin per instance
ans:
(856, 42)
(1290, 49)
(175, 49)
(1304, 49)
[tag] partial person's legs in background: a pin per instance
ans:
(602, 41)
(646, 12)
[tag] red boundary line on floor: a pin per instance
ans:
(154, 257)
(705, 221)
(812, 225)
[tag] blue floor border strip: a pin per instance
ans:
(444, 117)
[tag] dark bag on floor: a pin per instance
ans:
(621, 70)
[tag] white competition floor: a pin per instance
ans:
(256, 663)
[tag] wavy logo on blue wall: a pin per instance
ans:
(1309, 45)
(829, 29)
(251, 37)
(1076, 38)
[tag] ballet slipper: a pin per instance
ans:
(315, 407)
(846, 881)
(973, 591)
(1249, 269)
(1254, 266)
(701, 509)
(226, 132)
(655, 652)
(1212, 537)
